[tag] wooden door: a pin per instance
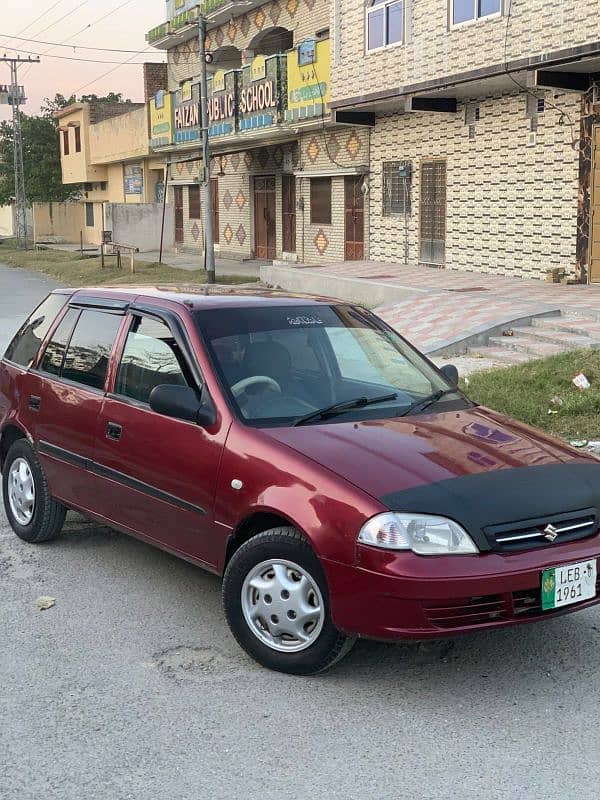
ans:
(288, 212)
(264, 217)
(179, 214)
(354, 219)
(595, 215)
(214, 186)
(432, 241)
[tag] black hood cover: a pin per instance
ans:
(507, 497)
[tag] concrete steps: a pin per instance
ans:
(545, 336)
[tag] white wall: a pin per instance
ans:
(140, 224)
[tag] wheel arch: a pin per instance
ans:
(255, 523)
(9, 435)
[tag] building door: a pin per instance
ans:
(595, 215)
(288, 212)
(354, 219)
(264, 217)
(214, 185)
(179, 214)
(433, 212)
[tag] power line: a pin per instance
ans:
(68, 14)
(110, 71)
(100, 19)
(41, 16)
(52, 24)
(83, 60)
(61, 44)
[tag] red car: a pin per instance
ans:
(341, 483)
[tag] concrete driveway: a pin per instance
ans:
(131, 687)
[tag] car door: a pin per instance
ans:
(158, 474)
(72, 373)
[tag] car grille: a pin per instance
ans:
(544, 532)
(472, 611)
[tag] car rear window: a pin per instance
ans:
(25, 345)
(89, 350)
(54, 354)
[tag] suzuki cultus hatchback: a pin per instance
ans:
(341, 483)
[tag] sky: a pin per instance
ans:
(124, 27)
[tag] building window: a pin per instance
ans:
(385, 23)
(65, 142)
(396, 187)
(194, 202)
(78, 140)
(89, 215)
(320, 201)
(469, 10)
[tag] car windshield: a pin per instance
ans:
(289, 365)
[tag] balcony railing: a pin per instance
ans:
(187, 18)
(158, 33)
(183, 19)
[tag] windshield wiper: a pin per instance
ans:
(425, 402)
(344, 405)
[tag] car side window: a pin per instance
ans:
(54, 354)
(150, 358)
(90, 347)
(25, 345)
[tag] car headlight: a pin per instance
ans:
(423, 534)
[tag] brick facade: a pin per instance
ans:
(511, 206)
(433, 48)
(515, 177)
(334, 151)
(314, 147)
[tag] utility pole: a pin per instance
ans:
(209, 240)
(15, 96)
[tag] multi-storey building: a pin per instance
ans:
(484, 120)
(104, 149)
(287, 181)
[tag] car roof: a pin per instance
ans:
(200, 296)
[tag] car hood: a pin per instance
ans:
(474, 464)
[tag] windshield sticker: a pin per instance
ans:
(304, 321)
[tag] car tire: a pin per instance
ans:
(277, 605)
(34, 515)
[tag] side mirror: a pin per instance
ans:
(181, 402)
(451, 374)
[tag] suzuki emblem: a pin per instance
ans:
(550, 533)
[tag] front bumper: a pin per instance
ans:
(398, 595)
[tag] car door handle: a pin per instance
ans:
(35, 402)
(113, 431)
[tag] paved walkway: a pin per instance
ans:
(438, 307)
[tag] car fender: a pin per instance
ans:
(261, 476)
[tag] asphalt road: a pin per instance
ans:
(132, 687)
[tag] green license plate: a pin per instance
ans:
(572, 583)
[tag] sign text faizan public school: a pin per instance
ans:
(254, 98)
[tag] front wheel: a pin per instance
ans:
(277, 606)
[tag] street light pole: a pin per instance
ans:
(209, 241)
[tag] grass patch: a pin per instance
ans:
(526, 391)
(72, 270)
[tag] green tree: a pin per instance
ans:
(41, 162)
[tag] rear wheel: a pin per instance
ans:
(277, 606)
(34, 515)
